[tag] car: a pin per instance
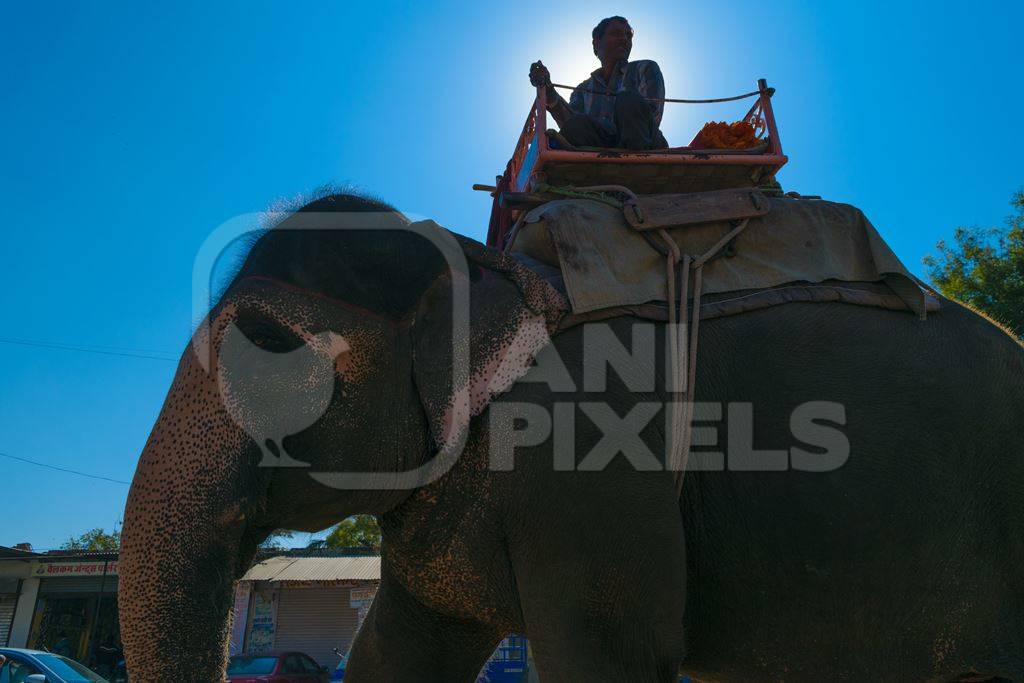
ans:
(37, 666)
(276, 667)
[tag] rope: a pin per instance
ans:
(684, 354)
(514, 232)
(664, 99)
(596, 193)
(678, 413)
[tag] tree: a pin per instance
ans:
(359, 531)
(94, 539)
(984, 268)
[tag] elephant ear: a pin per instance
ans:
(512, 315)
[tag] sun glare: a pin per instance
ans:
(570, 58)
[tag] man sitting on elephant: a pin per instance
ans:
(620, 105)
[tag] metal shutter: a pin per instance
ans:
(315, 621)
(7, 604)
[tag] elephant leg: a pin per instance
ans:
(602, 591)
(401, 640)
(602, 638)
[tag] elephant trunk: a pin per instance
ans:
(188, 534)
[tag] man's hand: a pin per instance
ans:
(541, 77)
(539, 74)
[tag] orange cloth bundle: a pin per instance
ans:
(722, 135)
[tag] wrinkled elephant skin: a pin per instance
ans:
(331, 353)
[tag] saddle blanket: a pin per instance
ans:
(605, 264)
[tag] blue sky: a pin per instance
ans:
(132, 132)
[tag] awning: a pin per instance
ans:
(315, 569)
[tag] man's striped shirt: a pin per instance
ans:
(595, 97)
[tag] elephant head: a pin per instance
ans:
(327, 361)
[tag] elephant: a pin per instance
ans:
(901, 560)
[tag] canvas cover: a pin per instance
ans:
(605, 263)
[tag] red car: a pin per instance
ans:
(276, 667)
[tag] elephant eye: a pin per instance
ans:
(269, 336)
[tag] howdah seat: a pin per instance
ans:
(542, 159)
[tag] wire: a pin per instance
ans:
(106, 351)
(63, 469)
(661, 99)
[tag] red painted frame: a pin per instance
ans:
(532, 152)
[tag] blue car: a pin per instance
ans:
(36, 666)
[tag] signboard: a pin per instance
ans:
(59, 569)
(239, 615)
(261, 629)
(361, 597)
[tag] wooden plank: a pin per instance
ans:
(666, 210)
(649, 178)
(526, 200)
(669, 210)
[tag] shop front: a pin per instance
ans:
(313, 605)
(17, 594)
(9, 589)
(76, 611)
(316, 605)
(296, 602)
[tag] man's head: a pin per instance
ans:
(613, 39)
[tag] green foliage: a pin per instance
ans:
(94, 539)
(359, 531)
(985, 269)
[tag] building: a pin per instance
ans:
(313, 601)
(15, 570)
(314, 604)
(65, 601)
(308, 600)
